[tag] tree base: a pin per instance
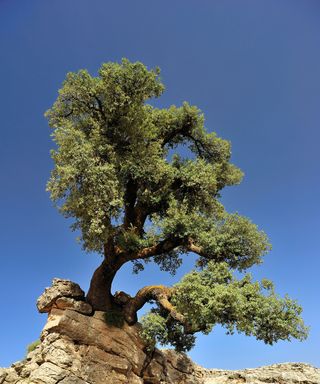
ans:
(78, 348)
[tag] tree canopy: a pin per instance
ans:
(143, 184)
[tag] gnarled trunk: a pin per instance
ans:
(99, 294)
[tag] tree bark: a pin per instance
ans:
(159, 293)
(99, 294)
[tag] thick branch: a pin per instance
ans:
(160, 294)
(163, 246)
(99, 294)
(191, 247)
(168, 245)
(195, 249)
(217, 257)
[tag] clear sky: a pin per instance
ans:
(252, 66)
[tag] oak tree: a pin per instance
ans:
(143, 184)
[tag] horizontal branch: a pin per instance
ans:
(195, 248)
(163, 246)
(158, 293)
(168, 245)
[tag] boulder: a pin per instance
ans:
(60, 288)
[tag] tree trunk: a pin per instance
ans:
(99, 294)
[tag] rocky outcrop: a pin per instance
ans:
(81, 347)
(63, 294)
(286, 373)
(76, 348)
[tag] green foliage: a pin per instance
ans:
(153, 329)
(106, 135)
(31, 347)
(214, 296)
(222, 236)
(157, 327)
(117, 167)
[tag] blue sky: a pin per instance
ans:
(252, 66)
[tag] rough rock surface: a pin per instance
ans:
(60, 288)
(286, 373)
(76, 348)
(80, 348)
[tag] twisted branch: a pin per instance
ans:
(158, 293)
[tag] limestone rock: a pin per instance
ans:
(48, 373)
(59, 288)
(79, 306)
(78, 347)
(285, 373)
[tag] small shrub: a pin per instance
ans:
(31, 347)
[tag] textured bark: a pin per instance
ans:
(159, 293)
(99, 294)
